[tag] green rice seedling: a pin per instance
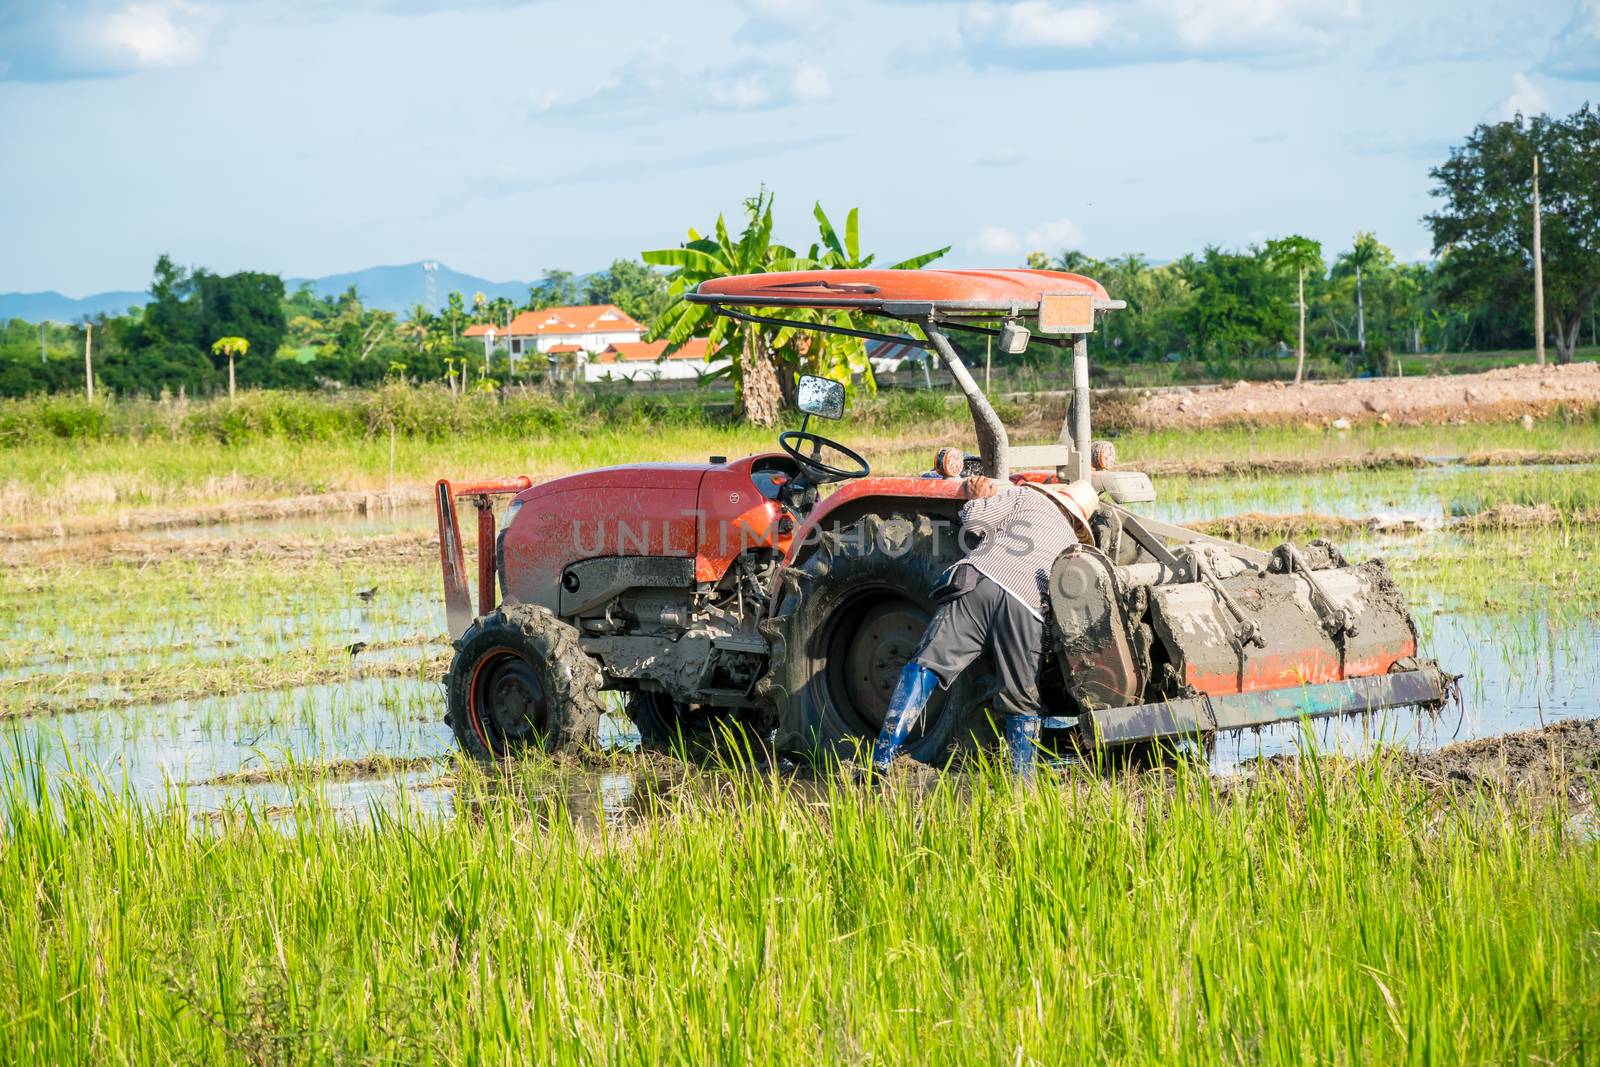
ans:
(1331, 913)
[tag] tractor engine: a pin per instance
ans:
(662, 569)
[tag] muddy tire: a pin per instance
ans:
(519, 681)
(852, 615)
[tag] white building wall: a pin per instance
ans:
(589, 342)
(649, 370)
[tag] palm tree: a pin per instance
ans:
(455, 313)
(1365, 253)
(230, 347)
(1298, 254)
(478, 302)
(416, 326)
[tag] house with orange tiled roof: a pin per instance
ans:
(582, 331)
(647, 361)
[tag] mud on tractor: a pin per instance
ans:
(781, 593)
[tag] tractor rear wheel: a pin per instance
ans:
(853, 615)
(519, 681)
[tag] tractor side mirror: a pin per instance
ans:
(820, 396)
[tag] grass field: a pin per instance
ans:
(1334, 915)
(144, 457)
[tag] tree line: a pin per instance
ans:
(1346, 310)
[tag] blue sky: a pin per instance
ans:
(313, 136)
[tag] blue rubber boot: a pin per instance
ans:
(1022, 740)
(911, 695)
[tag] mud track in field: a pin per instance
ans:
(1492, 396)
(1563, 757)
(1254, 526)
(420, 546)
(64, 694)
(343, 770)
(360, 503)
(1560, 761)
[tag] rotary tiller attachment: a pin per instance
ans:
(1212, 636)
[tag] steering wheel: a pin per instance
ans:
(816, 471)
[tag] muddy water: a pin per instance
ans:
(180, 749)
(1427, 497)
(1518, 672)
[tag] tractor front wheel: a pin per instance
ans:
(519, 681)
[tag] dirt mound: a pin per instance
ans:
(419, 547)
(1221, 468)
(1255, 526)
(1519, 457)
(1493, 396)
(1561, 757)
(1515, 517)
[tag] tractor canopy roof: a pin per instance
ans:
(982, 293)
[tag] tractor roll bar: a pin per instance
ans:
(994, 445)
(457, 597)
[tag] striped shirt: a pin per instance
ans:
(1022, 534)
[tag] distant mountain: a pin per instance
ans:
(399, 288)
(390, 288)
(52, 306)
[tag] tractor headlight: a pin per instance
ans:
(511, 513)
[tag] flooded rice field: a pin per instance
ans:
(311, 657)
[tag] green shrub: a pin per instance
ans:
(40, 418)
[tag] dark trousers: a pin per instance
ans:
(975, 615)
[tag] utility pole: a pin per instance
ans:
(42, 358)
(1538, 270)
(88, 360)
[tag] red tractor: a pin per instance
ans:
(782, 593)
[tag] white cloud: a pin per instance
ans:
(810, 82)
(1002, 242)
(650, 82)
(1039, 23)
(100, 39)
(151, 35)
(1525, 99)
(1049, 33)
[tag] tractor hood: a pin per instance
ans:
(627, 476)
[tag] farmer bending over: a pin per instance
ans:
(991, 600)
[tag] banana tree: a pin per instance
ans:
(766, 360)
(751, 349)
(832, 355)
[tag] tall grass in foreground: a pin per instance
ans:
(1349, 917)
